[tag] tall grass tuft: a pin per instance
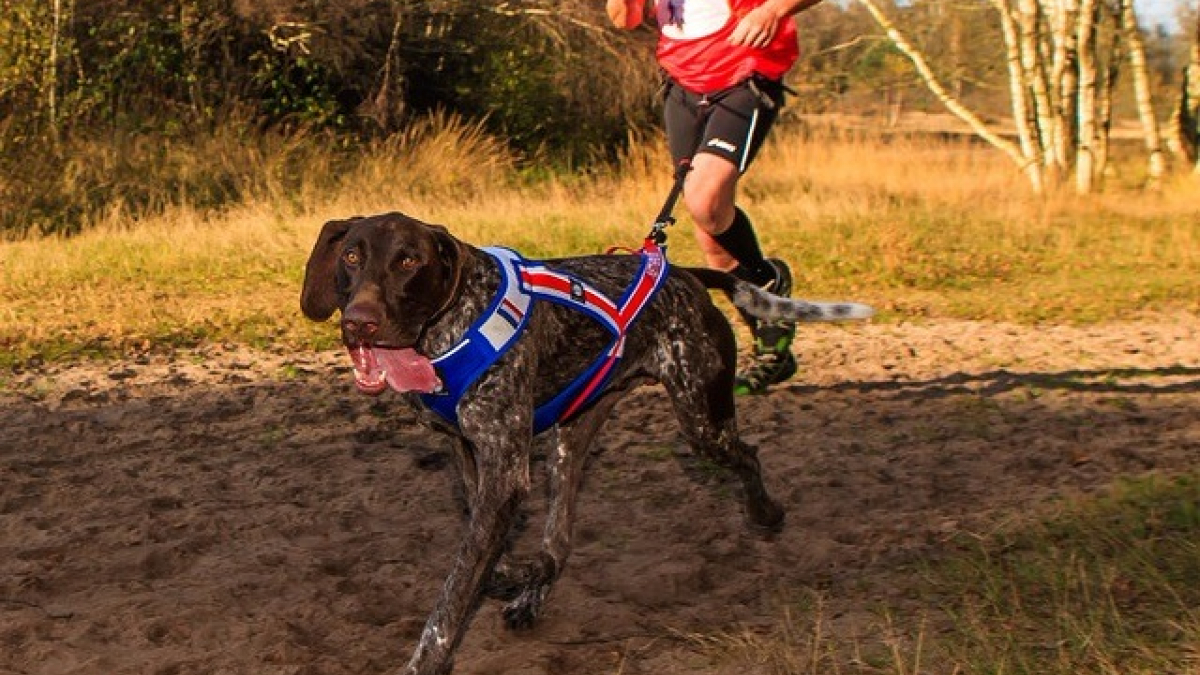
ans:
(187, 274)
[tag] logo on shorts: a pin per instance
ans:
(722, 144)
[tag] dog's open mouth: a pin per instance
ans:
(404, 369)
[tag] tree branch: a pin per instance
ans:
(1026, 164)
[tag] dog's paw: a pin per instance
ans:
(765, 518)
(523, 612)
(445, 669)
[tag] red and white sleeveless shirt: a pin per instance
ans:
(694, 49)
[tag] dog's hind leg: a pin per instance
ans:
(718, 440)
(531, 582)
(701, 389)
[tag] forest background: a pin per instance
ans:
(120, 109)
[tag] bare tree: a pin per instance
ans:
(59, 16)
(949, 100)
(1061, 80)
(1104, 104)
(386, 106)
(1022, 105)
(1085, 158)
(1033, 78)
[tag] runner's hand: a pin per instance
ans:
(625, 14)
(756, 29)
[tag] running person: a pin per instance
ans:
(724, 61)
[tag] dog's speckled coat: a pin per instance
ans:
(401, 283)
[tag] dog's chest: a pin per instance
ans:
(551, 329)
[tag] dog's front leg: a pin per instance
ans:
(502, 463)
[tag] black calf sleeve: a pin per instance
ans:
(741, 243)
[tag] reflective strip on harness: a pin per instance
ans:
(501, 324)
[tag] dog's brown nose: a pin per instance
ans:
(360, 322)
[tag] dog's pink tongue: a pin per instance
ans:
(406, 370)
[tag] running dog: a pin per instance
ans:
(499, 349)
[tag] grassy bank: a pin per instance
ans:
(1104, 585)
(917, 228)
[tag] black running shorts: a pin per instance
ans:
(731, 123)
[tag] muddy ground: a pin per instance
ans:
(230, 511)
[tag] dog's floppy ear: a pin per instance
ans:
(319, 297)
(450, 250)
(451, 254)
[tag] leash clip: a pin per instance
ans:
(658, 231)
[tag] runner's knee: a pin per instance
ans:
(709, 194)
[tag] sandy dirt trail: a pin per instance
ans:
(230, 511)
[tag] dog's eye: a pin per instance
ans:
(409, 263)
(352, 258)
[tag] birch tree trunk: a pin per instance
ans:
(1187, 113)
(1193, 97)
(1019, 88)
(1104, 106)
(1031, 21)
(1064, 58)
(1066, 76)
(1141, 89)
(1085, 158)
(1182, 132)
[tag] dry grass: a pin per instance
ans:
(916, 227)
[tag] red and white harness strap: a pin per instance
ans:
(616, 317)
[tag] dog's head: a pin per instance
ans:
(390, 276)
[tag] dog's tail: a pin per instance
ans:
(768, 306)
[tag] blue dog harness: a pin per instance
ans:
(522, 283)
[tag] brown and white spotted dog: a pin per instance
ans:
(407, 292)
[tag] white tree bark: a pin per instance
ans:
(1086, 157)
(1104, 106)
(1066, 77)
(1019, 87)
(1031, 20)
(1061, 81)
(1141, 88)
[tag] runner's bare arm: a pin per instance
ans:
(759, 26)
(625, 14)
